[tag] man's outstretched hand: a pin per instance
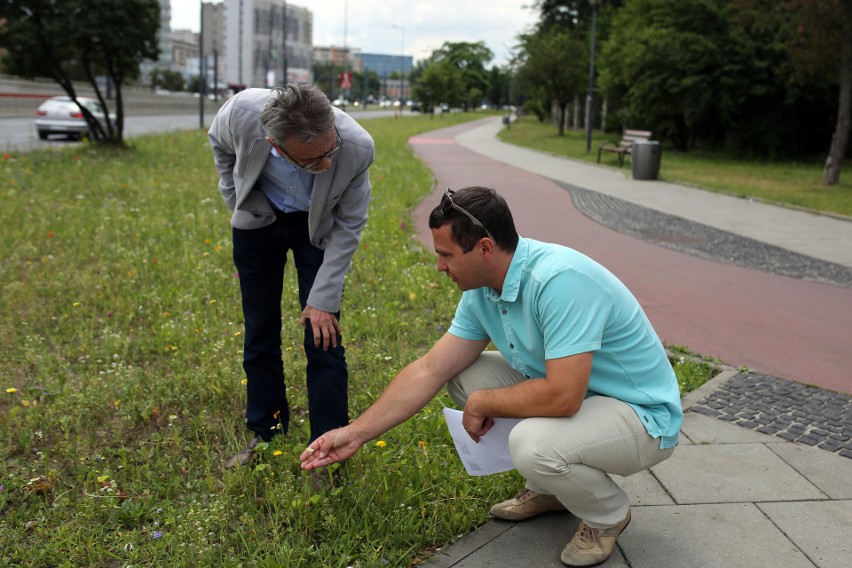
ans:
(332, 447)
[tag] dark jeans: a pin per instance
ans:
(260, 256)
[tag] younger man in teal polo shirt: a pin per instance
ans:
(576, 358)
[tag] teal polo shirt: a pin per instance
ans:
(557, 302)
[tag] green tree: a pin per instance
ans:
(552, 62)
(821, 45)
(470, 60)
(103, 37)
(666, 57)
(167, 79)
(499, 84)
(440, 82)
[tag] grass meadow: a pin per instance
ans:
(122, 391)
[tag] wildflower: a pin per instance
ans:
(277, 453)
(11, 390)
(157, 534)
(412, 296)
(244, 381)
(50, 234)
(381, 444)
(7, 156)
(25, 403)
(422, 443)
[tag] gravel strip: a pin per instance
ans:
(703, 241)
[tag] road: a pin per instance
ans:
(20, 134)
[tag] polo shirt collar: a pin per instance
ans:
(512, 282)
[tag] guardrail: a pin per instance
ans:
(20, 98)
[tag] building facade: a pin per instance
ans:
(266, 43)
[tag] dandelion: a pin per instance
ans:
(244, 381)
(11, 390)
(381, 444)
(277, 453)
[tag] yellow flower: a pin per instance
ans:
(244, 381)
(412, 296)
(11, 390)
(277, 453)
(381, 444)
(422, 443)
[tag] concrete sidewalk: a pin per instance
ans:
(729, 496)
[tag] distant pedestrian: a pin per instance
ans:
(576, 358)
(295, 175)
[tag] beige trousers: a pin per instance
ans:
(571, 457)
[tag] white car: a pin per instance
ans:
(60, 115)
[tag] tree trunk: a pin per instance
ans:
(576, 112)
(834, 162)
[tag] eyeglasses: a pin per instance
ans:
(310, 163)
(448, 199)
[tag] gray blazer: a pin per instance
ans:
(339, 200)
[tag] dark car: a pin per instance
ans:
(61, 115)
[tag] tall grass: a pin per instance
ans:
(788, 183)
(122, 392)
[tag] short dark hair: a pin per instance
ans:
(298, 112)
(488, 207)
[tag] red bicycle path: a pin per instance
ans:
(784, 327)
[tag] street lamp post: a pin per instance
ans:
(201, 74)
(401, 67)
(590, 97)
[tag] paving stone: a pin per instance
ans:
(707, 536)
(731, 473)
(791, 411)
(831, 473)
(819, 529)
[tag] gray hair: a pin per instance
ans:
(298, 112)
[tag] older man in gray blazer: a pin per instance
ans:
(295, 175)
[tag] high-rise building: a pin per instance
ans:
(266, 43)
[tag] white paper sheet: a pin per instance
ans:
(491, 454)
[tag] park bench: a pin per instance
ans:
(625, 146)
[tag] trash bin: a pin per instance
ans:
(645, 159)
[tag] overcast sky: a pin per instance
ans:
(368, 24)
